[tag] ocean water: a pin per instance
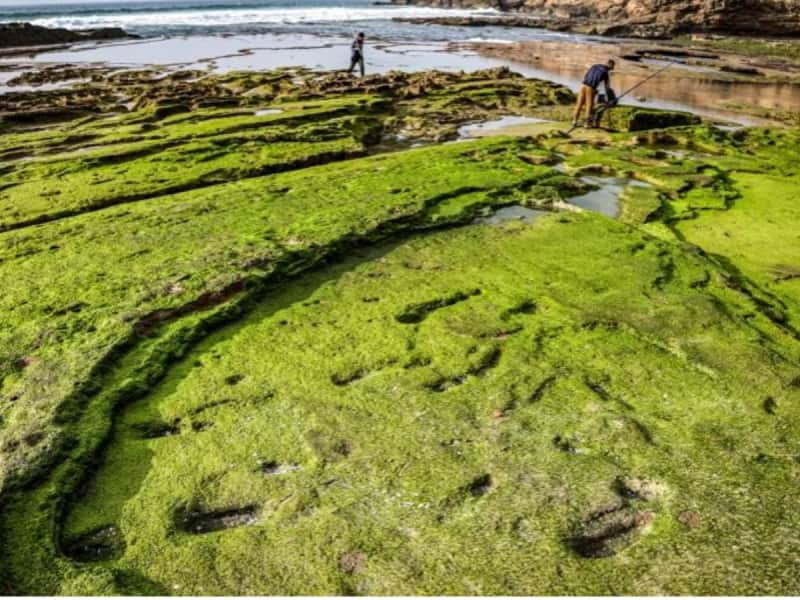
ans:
(223, 35)
(234, 17)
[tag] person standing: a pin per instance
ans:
(586, 95)
(357, 53)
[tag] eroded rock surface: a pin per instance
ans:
(648, 18)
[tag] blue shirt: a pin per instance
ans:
(595, 76)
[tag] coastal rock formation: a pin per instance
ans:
(13, 35)
(647, 18)
(260, 333)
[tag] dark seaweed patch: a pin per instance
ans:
(486, 362)
(480, 486)
(526, 307)
(416, 313)
(102, 544)
(275, 468)
(342, 379)
(210, 405)
(156, 429)
(565, 444)
(234, 379)
(540, 390)
(598, 389)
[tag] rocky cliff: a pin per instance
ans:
(651, 17)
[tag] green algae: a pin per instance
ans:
(53, 349)
(194, 165)
(754, 234)
(175, 155)
(640, 119)
(164, 149)
(274, 385)
(251, 228)
(394, 440)
(640, 204)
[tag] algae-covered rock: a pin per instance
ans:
(265, 347)
(640, 119)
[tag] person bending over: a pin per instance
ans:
(586, 95)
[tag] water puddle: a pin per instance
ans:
(604, 199)
(679, 154)
(42, 87)
(508, 125)
(729, 127)
(515, 212)
(8, 73)
(394, 142)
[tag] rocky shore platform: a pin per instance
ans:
(286, 332)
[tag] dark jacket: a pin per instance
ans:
(357, 48)
(595, 76)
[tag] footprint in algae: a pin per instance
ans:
(609, 530)
(416, 313)
(101, 544)
(196, 521)
(150, 430)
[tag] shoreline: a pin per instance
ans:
(728, 86)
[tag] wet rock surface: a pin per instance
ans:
(645, 18)
(25, 34)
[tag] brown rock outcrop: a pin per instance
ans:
(13, 35)
(650, 18)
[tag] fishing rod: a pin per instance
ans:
(613, 101)
(643, 81)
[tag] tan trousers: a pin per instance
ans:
(585, 98)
